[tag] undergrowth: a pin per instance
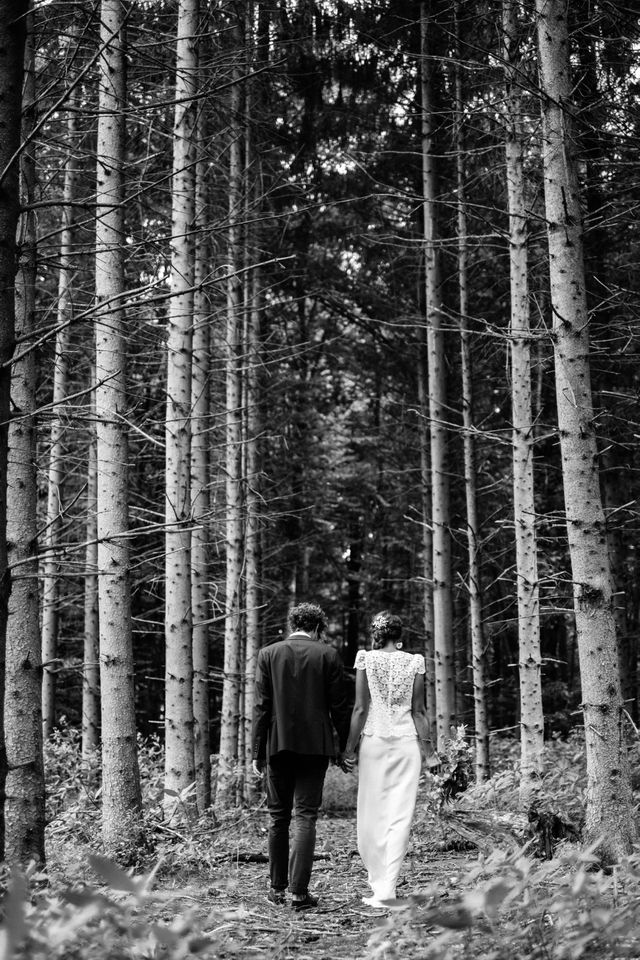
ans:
(499, 902)
(513, 907)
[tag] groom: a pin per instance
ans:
(300, 692)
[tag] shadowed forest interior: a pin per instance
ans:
(316, 300)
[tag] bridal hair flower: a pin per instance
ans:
(385, 626)
(381, 620)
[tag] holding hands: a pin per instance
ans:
(347, 761)
(258, 768)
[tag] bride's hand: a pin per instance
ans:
(347, 762)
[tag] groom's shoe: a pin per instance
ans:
(305, 902)
(276, 896)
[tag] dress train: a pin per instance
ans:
(389, 770)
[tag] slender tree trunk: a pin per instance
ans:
(478, 645)
(427, 544)
(253, 382)
(523, 434)
(438, 415)
(24, 806)
(179, 719)
(609, 816)
(614, 488)
(255, 401)
(234, 529)
(120, 776)
(594, 135)
(57, 464)
(91, 656)
(12, 46)
(253, 507)
(200, 495)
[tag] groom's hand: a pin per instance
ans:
(258, 768)
(347, 762)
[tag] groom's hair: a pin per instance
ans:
(308, 616)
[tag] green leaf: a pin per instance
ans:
(15, 927)
(453, 918)
(496, 894)
(113, 875)
(86, 897)
(164, 935)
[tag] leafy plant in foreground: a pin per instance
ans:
(85, 921)
(514, 908)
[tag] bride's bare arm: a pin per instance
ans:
(358, 717)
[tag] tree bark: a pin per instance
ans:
(57, 465)
(427, 544)
(609, 818)
(12, 46)
(524, 508)
(253, 507)
(230, 715)
(200, 490)
(478, 645)
(120, 776)
(440, 494)
(254, 175)
(24, 806)
(91, 653)
(179, 719)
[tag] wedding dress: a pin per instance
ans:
(389, 768)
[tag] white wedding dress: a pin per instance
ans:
(389, 768)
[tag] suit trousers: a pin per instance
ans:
(389, 771)
(294, 788)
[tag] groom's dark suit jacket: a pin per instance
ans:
(300, 690)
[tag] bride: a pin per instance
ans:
(389, 722)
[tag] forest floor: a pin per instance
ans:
(205, 894)
(478, 882)
(232, 908)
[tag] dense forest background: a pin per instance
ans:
(338, 164)
(324, 140)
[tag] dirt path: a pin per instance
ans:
(231, 910)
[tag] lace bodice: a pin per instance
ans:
(390, 677)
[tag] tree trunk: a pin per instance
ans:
(615, 480)
(524, 508)
(24, 806)
(478, 645)
(229, 719)
(57, 464)
(440, 496)
(91, 655)
(353, 576)
(179, 719)
(120, 776)
(254, 102)
(253, 506)
(200, 496)
(596, 145)
(12, 46)
(609, 817)
(427, 544)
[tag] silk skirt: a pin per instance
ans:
(389, 770)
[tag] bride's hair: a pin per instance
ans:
(385, 626)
